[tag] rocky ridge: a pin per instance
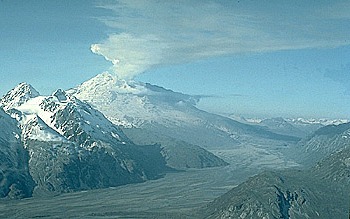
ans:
(70, 146)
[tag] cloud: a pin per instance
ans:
(147, 34)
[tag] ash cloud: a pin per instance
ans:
(152, 33)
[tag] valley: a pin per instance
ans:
(178, 194)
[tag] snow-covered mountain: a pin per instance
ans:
(19, 95)
(162, 112)
(72, 146)
(323, 122)
(134, 104)
(281, 126)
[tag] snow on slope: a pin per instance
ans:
(72, 146)
(34, 128)
(322, 121)
(42, 115)
(132, 104)
(136, 104)
(19, 95)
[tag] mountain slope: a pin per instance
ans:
(281, 126)
(178, 154)
(335, 167)
(291, 194)
(323, 142)
(73, 147)
(15, 180)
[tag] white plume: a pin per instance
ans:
(152, 33)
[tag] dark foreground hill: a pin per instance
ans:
(320, 192)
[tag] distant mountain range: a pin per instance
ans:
(299, 127)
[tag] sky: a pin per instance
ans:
(251, 58)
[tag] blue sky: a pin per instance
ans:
(268, 58)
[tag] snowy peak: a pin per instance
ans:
(18, 95)
(59, 117)
(109, 86)
(106, 82)
(322, 122)
(132, 103)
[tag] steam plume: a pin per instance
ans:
(130, 55)
(152, 33)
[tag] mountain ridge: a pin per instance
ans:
(71, 146)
